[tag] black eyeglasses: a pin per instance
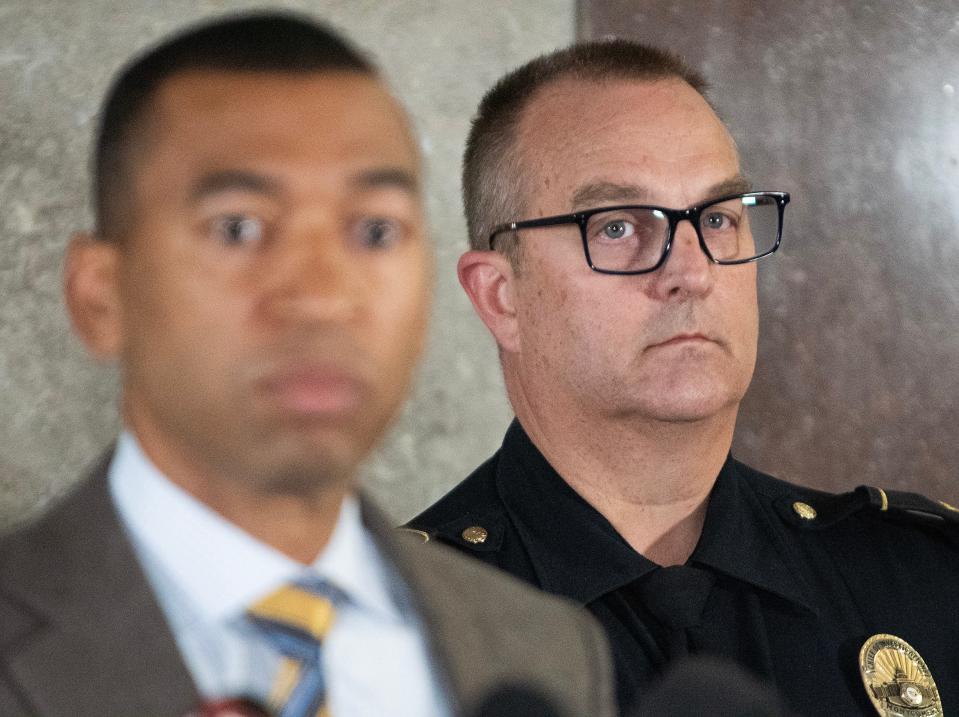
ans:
(733, 229)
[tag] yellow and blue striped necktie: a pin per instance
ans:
(294, 620)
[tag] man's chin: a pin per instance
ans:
(301, 476)
(302, 481)
(697, 410)
(302, 463)
(686, 405)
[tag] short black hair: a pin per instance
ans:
(492, 191)
(252, 42)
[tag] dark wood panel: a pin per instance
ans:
(853, 109)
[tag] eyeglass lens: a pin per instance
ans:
(633, 239)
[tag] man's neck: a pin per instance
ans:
(651, 480)
(297, 525)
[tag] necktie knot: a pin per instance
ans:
(294, 608)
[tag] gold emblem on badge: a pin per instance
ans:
(897, 679)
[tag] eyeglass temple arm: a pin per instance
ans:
(532, 224)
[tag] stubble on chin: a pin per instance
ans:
(297, 465)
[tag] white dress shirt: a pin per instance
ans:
(206, 572)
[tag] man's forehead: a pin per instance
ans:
(212, 90)
(595, 142)
(569, 102)
(344, 112)
(574, 94)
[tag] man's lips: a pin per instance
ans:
(315, 390)
(683, 339)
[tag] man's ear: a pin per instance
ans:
(91, 290)
(489, 281)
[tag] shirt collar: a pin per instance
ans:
(578, 553)
(575, 551)
(741, 539)
(218, 566)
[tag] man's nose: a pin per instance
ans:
(314, 277)
(687, 271)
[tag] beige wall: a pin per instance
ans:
(56, 57)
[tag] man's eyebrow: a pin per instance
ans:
(388, 178)
(733, 185)
(598, 193)
(231, 181)
(245, 181)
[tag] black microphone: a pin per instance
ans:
(710, 686)
(514, 700)
(229, 708)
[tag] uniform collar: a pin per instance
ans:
(743, 538)
(577, 552)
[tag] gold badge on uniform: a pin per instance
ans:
(897, 679)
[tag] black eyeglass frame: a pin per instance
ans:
(675, 216)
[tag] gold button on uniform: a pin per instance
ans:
(804, 510)
(475, 534)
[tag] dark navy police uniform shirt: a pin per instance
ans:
(788, 581)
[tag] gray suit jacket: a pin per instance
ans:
(82, 635)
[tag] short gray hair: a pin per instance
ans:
(493, 190)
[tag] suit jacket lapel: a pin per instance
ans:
(466, 644)
(407, 558)
(499, 641)
(99, 643)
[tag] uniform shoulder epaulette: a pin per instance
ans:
(475, 533)
(415, 532)
(814, 510)
(810, 509)
(915, 504)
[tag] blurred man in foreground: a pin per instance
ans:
(261, 272)
(614, 240)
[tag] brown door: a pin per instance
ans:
(853, 108)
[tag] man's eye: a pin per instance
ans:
(618, 229)
(716, 221)
(238, 230)
(378, 233)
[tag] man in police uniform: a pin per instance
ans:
(261, 271)
(614, 240)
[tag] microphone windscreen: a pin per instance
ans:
(710, 686)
